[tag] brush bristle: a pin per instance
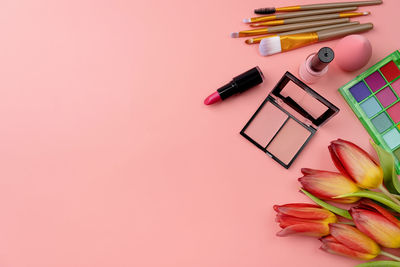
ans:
(265, 10)
(270, 46)
(234, 34)
(248, 20)
(249, 41)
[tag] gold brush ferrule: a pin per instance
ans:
(263, 18)
(288, 9)
(257, 40)
(293, 41)
(268, 23)
(352, 14)
(253, 32)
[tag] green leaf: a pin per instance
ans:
(379, 264)
(390, 179)
(379, 197)
(336, 210)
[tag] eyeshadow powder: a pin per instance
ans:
(392, 138)
(386, 96)
(375, 81)
(288, 141)
(390, 71)
(371, 107)
(382, 122)
(360, 91)
(396, 87)
(394, 112)
(265, 124)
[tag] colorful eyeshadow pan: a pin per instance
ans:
(375, 81)
(371, 107)
(392, 138)
(386, 97)
(382, 122)
(360, 91)
(396, 87)
(374, 96)
(394, 112)
(390, 71)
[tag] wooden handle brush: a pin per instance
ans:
(277, 44)
(298, 14)
(272, 10)
(288, 27)
(257, 40)
(310, 18)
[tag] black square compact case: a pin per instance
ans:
(287, 119)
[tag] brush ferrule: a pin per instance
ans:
(288, 9)
(293, 41)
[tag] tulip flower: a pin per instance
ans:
(377, 223)
(303, 219)
(348, 241)
(354, 162)
(327, 185)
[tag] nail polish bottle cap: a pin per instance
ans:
(324, 56)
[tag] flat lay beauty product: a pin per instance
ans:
(310, 18)
(239, 84)
(374, 96)
(288, 27)
(290, 15)
(271, 10)
(353, 52)
(274, 45)
(287, 119)
(292, 112)
(316, 65)
(257, 40)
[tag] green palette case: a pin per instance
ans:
(374, 96)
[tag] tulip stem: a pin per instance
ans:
(387, 193)
(387, 254)
(396, 196)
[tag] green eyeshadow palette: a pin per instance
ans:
(374, 96)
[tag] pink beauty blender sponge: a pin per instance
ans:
(353, 52)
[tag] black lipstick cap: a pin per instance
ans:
(242, 83)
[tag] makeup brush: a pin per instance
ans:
(277, 44)
(272, 10)
(289, 27)
(312, 29)
(311, 18)
(299, 14)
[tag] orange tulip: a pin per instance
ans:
(327, 185)
(348, 241)
(303, 219)
(354, 162)
(377, 223)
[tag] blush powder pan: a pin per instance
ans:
(294, 136)
(287, 120)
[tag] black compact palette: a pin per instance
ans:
(287, 119)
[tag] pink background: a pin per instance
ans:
(109, 157)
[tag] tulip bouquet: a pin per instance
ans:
(372, 191)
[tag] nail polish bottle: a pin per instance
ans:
(316, 65)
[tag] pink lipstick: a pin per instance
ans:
(239, 84)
